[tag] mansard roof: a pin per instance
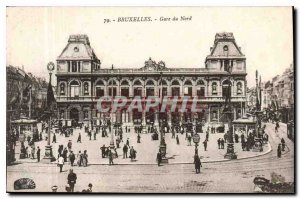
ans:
(78, 48)
(222, 41)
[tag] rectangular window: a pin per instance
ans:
(164, 92)
(74, 66)
(188, 91)
(137, 92)
(69, 66)
(112, 91)
(79, 66)
(99, 92)
(149, 92)
(201, 92)
(175, 91)
(125, 92)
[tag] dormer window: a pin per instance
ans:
(225, 48)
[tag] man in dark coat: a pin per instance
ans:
(158, 158)
(219, 143)
(177, 139)
(38, 153)
(205, 145)
(138, 138)
(125, 150)
(79, 138)
(282, 144)
(54, 138)
(207, 135)
(279, 151)
(103, 151)
(72, 177)
(72, 157)
(197, 163)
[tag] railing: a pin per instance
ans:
(203, 99)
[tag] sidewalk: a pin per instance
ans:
(146, 150)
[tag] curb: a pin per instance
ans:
(174, 163)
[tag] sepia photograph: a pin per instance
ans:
(150, 100)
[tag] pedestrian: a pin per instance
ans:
(84, 158)
(103, 151)
(72, 177)
(89, 190)
(65, 154)
(173, 133)
(177, 139)
(54, 138)
(158, 158)
(222, 143)
(79, 138)
(236, 137)
(32, 151)
(27, 155)
(138, 138)
(219, 143)
(110, 157)
(205, 145)
(189, 140)
(95, 134)
(72, 157)
(69, 145)
(127, 142)
(38, 153)
(282, 144)
(225, 137)
(279, 151)
(118, 142)
(125, 150)
(207, 135)
(60, 163)
(131, 153)
(41, 136)
(197, 163)
(276, 129)
(79, 158)
(90, 134)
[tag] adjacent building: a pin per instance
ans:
(81, 80)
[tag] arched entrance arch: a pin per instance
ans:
(74, 115)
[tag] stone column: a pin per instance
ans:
(208, 113)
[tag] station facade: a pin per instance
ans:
(81, 81)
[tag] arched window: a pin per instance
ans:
(175, 83)
(62, 114)
(86, 88)
(150, 83)
(74, 86)
(124, 83)
(214, 88)
(188, 88)
(226, 88)
(62, 89)
(164, 91)
(239, 88)
(175, 88)
(112, 89)
(112, 83)
(200, 89)
(125, 88)
(100, 83)
(137, 83)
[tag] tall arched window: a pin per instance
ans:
(125, 88)
(74, 86)
(239, 88)
(112, 88)
(226, 88)
(175, 88)
(99, 89)
(188, 88)
(137, 88)
(149, 88)
(200, 89)
(164, 85)
(214, 88)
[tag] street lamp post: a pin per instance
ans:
(48, 148)
(230, 154)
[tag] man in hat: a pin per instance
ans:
(72, 177)
(38, 153)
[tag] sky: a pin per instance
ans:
(37, 35)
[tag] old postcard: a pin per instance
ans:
(150, 99)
